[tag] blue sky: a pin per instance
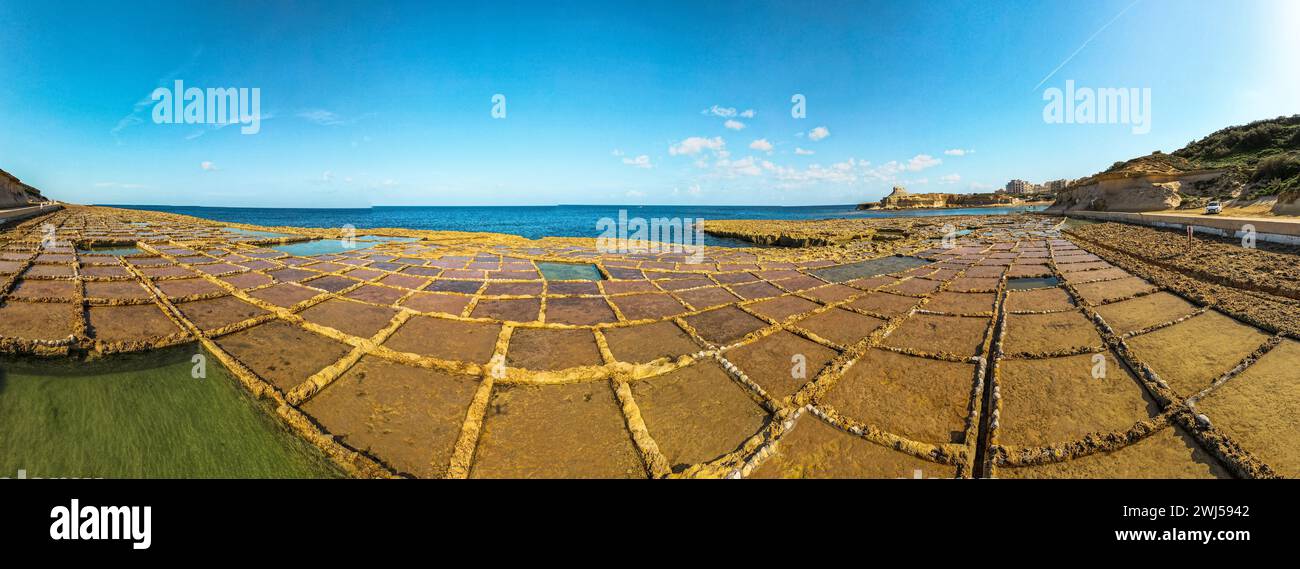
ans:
(613, 102)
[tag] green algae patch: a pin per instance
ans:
(142, 416)
(115, 250)
(870, 268)
(569, 271)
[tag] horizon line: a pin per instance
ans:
(473, 205)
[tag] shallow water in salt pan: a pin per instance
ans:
(874, 267)
(569, 271)
(1032, 282)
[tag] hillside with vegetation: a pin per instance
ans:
(1266, 153)
(1242, 164)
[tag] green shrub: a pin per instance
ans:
(1277, 167)
(1245, 143)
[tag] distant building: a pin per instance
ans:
(1055, 185)
(1022, 187)
(1019, 187)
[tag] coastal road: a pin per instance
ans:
(20, 213)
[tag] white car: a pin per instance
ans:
(1213, 208)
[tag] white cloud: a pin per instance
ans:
(696, 144)
(635, 194)
(747, 166)
(733, 124)
(206, 128)
(749, 113)
(887, 172)
(327, 176)
(641, 161)
(818, 133)
(958, 152)
(321, 117)
(921, 162)
(130, 120)
(616, 152)
(846, 172)
(718, 111)
(849, 173)
(329, 118)
(208, 166)
(146, 102)
(119, 185)
(976, 186)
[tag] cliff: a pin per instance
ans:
(14, 193)
(900, 198)
(1248, 164)
(1142, 185)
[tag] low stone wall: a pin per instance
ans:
(18, 214)
(1273, 231)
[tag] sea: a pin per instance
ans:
(534, 222)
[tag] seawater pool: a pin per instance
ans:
(336, 246)
(253, 233)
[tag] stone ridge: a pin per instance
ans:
(900, 198)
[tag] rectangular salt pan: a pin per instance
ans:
(871, 268)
